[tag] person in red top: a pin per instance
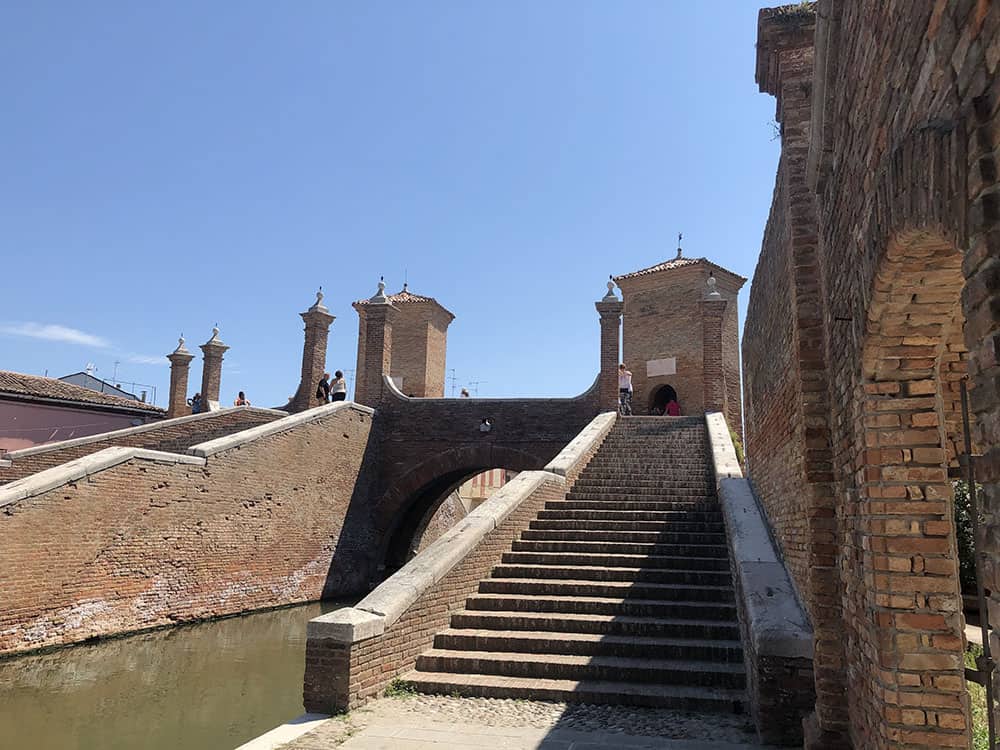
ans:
(673, 408)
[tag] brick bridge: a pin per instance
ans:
(428, 446)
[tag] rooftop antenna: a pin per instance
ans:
(452, 379)
(680, 236)
(474, 385)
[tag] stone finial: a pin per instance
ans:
(379, 297)
(318, 304)
(181, 349)
(610, 296)
(712, 292)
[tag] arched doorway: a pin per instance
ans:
(660, 398)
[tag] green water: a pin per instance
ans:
(210, 686)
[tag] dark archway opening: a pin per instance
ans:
(422, 505)
(660, 398)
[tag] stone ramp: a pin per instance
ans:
(621, 593)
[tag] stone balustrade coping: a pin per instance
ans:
(228, 442)
(128, 431)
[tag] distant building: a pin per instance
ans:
(474, 491)
(36, 410)
(87, 380)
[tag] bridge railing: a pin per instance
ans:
(353, 653)
(777, 638)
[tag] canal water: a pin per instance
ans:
(207, 686)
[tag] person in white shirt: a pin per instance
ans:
(338, 388)
(624, 391)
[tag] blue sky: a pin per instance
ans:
(167, 166)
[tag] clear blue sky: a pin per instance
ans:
(170, 165)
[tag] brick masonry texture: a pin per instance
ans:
(173, 436)
(663, 318)
(429, 446)
(876, 292)
(277, 520)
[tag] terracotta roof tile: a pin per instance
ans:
(669, 265)
(405, 296)
(35, 386)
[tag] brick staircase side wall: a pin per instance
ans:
(342, 677)
(171, 435)
(127, 539)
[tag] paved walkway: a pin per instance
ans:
(443, 723)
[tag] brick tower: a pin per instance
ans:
(680, 336)
(419, 342)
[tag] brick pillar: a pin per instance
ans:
(713, 308)
(211, 373)
(379, 313)
(317, 321)
(610, 310)
(180, 365)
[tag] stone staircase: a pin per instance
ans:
(621, 593)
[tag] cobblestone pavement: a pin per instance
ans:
(425, 722)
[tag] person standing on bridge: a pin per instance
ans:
(624, 391)
(323, 389)
(672, 409)
(338, 388)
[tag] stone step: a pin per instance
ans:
(661, 537)
(607, 589)
(622, 548)
(593, 605)
(654, 458)
(605, 625)
(626, 492)
(588, 644)
(632, 575)
(680, 698)
(628, 515)
(649, 504)
(656, 486)
(604, 524)
(573, 667)
(616, 561)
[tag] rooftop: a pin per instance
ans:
(405, 297)
(38, 388)
(670, 265)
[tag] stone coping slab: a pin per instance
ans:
(128, 431)
(228, 442)
(382, 607)
(392, 388)
(81, 468)
(776, 622)
(576, 451)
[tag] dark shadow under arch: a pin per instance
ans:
(420, 492)
(659, 398)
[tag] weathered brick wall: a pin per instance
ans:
(428, 445)
(342, 676)
(898, 146)
(173, 435)
(662, 318)
(277, 520)
(449, 512)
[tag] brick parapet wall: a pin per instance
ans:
(156, 539)
(774, 628)
(348, 666)
(171, 435)
(340, 676)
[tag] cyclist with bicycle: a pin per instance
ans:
(624, 391)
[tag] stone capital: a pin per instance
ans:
(609, 309)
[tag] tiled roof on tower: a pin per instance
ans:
(674, 263)
(405, 297)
